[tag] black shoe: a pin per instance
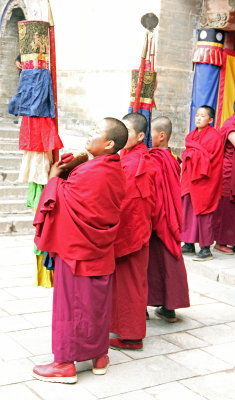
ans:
(204, 254)
(188, 248)
(167, 315)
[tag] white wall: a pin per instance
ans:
(100, 34)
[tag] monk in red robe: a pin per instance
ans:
(167, 277)
(130, 282)
(77, 221)
(224, 218)
(201, 184)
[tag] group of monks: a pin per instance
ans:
(114, 228)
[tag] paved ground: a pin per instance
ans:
(190, 360)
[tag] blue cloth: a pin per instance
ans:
(48, 261)
(34, 96)
(205, 89)
(147, 114)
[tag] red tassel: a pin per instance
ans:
(208, 55)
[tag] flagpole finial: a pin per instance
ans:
(50, 16)
(149, 21)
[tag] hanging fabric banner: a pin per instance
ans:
(205, 88)
(208, 60)
(226, 96)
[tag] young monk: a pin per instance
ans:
(224, 218)
(201, 184)
(77, 220)
(167, 277)
(130, 283)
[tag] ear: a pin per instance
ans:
(162, 135)
(141, 136)
(210, 120)
(110, 145)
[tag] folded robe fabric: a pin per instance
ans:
(78, 219)
(202, 169)
(34, 97)
(229, 159)
(39, 134)
(167, 217)
(138, 204)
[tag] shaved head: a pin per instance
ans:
(162, 124)
(116, 131)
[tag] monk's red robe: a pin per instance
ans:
(167, 217)
(130, 284)
(202, 169)
(78, 218)
(137, 206)
(228, 188)
(167, 277)
(224, 218)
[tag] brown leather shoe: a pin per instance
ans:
(56, 372)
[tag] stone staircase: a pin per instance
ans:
(15, 217)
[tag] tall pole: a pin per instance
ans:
(53, 70)
(141, 75)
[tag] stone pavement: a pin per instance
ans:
(190, 360)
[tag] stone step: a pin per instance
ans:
(8, 129)
(11, 153)
(10, 161)
(17, 206)
(9, 144)
(13, 192)
(9, 133)
(16, 223)
(220, 269)
(9, 176)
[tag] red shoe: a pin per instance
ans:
(118, 344)
(56, 372)
(101, 365)
(223, 248)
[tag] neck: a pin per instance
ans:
(131, 148)
(201, 129)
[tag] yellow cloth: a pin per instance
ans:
(229, 89)
(44, 277)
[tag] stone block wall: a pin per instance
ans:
(87, 96)
(176, 40)
(9, 49)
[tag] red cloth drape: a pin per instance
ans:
(39, 134)
(202, 169)
(229, 158)
(137, 206)
(167, 217)
(78, 219)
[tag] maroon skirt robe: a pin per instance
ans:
(167, 277)
(81, 315)
(224, 218)
(196, 228)
(129, 298)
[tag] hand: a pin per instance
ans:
(55, 170)
(65, 158)
(18, 65)
(70, 161)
